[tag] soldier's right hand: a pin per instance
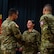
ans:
(20, 49)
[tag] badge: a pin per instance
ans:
(41, 23)
(17, 25)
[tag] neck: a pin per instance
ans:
(30, 30)
(10, 17)
(48, 13)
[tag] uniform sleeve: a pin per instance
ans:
(17, 33)
(22, 42)
(23, 36)
(38, 40)
(38, 37)
(23, 39)
(15, 30)
(44, 25)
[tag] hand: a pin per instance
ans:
(20, 49)
(17, 49)
(38, 53)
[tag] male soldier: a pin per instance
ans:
(10, 33)
(47, 30)
(31, 39)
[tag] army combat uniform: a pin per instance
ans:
(0, 43)
(10, 35)
(47, 34)
(31, 42)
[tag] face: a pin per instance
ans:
(15, 16)
(30, 24)
(46, 10)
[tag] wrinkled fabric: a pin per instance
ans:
(10, 35)
(31, 42)
(47, 34)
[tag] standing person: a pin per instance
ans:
(10, 33)
(31, 39)
(47, 30)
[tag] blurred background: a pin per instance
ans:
(28, 9)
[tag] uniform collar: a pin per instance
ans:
(8, 19)
(48, 14)
(31, 31)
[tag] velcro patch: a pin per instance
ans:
(17, 25)
(41, 23)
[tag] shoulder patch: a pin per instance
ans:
(41, 23)
(17, 25)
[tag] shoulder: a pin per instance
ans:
(51, 16)
(5, 21)
(25, 32)
(42, 17)
(13, 24)
(35, 31)
(46, 15)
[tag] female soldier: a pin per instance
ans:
(31, 39)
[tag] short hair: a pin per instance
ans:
(12, 10)
(48, 6)
(32, 21)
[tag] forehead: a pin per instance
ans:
(29, 21)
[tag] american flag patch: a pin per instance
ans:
(41, 23)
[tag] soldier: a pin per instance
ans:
(47, 30)
(10, 33)
(31, 39)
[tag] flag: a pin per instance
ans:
(0, 22)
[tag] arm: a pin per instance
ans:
(44, 25)
(16, 33)
(22, 42)
(15, 30)
(38, 40)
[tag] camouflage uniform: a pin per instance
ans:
(31, 42)
(10, 35)
(47, 34)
